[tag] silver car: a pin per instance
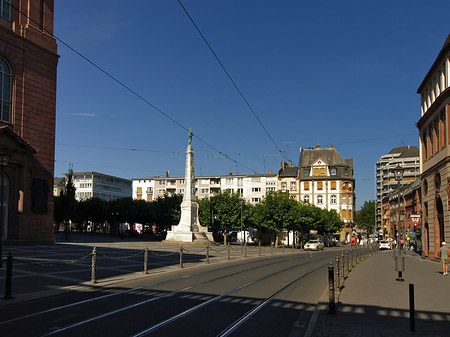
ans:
(314, 245)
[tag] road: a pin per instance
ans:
(261, 296)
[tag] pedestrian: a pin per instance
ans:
(443, 252)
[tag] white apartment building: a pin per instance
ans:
(405, 156)
(99, 185)
(251, 187)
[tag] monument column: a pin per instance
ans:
(189, 228)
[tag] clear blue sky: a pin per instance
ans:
(314, 72)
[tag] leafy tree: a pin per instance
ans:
(365, 218)
(277, 211)
(167, 210)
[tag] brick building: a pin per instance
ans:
(435, 151)
(28, 62)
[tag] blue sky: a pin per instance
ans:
(344, 73)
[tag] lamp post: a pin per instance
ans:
(242, 233)
(399, 259)
(4, 160)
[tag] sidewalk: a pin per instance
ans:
(373, 303)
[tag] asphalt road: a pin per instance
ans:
(273, 295)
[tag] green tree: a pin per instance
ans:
(167, 210)
(365, 218)
(275, 212)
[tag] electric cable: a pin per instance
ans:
(231, 79)
(131, 90)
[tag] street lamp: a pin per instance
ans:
(399, 259)
(4, 160)
(242, 233)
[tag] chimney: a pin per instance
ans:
(290, 163)
(318, 146)
(270, 171)
(331, 146)
(167, 174)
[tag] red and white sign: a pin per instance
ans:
(415, 219)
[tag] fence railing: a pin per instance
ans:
(95, 255)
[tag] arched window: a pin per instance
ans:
(5, 91)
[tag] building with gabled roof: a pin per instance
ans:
(326, 180)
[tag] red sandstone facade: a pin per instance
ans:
(27, 134)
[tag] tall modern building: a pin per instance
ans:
(435, 151)
(28, 62)
(405, 156)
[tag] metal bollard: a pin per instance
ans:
(338, 277)
(228, 252)
(343, 265)
(146, 260)
(8, 281)
(282, 249)
(181, 257)
(259, 248)
(271, 248)
(347, 252)
(207, 254)
(412, 319)
(351, 257)
(245, 250)
(94, 265)
(331, 302)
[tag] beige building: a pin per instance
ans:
(435, 152)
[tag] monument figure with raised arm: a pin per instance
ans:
(189, 228)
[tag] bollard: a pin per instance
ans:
(146, 260)
(181, 257)
(338, 277)
(245, 250)
(331, 302)
(347, 252)
(343, 265)
(94, 265)
(259, 248)
(271, 248)
(282, 249)
(351, 257)
(207, 254)
(8, 281)
(412, 319)
(228, 252)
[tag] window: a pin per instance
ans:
(5, 94)
(306, 198)
(162, 182)
(344, 200)
(333, 200)
(316, 171)
(161, 191)
(205, 190)
(344, 213)
(306, 172)
(240, 191)
(6, 9)
(181, 190)
(256, 189)
(322, 171)
(270, 189)
(333, 185)
(333, 171)
(346, 171)
(319, 199)
(229, 181)
(283, 187)
(425, 145)
(293, 186)
(255, 199)
(320, 185)
(306, 185)
(181, 181)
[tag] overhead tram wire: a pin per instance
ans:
(129, 89)
(232, 81)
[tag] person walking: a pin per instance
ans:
(443, 252)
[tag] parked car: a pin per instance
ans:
(314, 245)
(385, 244)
